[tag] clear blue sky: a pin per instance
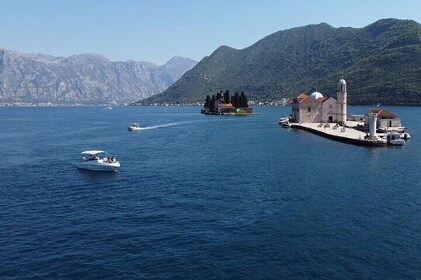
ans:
(156, 30)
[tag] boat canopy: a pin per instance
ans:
(93, 152)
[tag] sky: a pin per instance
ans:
(157, 30)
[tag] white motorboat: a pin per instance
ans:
(403, 132)
(394, 139)
(286, 125)
(405, 135)
(98, 161)
(284, 120)
(134, 127)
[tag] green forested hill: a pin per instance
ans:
(380, 62)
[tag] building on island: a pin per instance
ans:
(314, 112)
(224, 108)
(223, 103)
(317, 108)
(385, 120)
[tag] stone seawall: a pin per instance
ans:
(346, 135)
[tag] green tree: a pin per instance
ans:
(227, 97)
(245, 100)
(212, 104)
(236, 100)
(207, 101)
(241, 100)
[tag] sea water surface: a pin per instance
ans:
(203, 197)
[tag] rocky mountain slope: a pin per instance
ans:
(83, 79)
(381, 63)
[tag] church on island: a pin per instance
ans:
(316, 112)
(316, 108)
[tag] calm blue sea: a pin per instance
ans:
(203, 197)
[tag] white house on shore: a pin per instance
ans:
(317, 108)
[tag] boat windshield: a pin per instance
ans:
(95, 156)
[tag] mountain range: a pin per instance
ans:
(83, 79)
(380, 62)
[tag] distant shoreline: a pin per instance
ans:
(229, 114)
(173, 105)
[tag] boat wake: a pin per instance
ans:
(165, 125)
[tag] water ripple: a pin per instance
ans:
(205, 197)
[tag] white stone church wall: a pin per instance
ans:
(311, 116)
(386, 122)
(329, 109)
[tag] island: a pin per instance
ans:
(327, 116)
(224, 104)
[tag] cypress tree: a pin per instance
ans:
(227, 97)
(212, 104)
(236, 103)
(207, 101)
(241, 100)
(245, 101)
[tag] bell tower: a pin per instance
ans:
(341, 101)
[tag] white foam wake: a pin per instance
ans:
(164, 125)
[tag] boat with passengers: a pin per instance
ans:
(134, 127)
(98, 161)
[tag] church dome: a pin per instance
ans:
(341, 82)
(316, 95)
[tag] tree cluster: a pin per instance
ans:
(238, 100)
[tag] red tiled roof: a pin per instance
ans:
(229, 105)
(299, 98)
(302, 96)
(308, 99)
(382, 113)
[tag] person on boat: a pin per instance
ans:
(94, 157)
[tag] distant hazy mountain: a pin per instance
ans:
(84, 79)
(381, 63)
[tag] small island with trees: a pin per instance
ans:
(224, 104)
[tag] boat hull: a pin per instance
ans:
(399, 142)
(95, 166)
